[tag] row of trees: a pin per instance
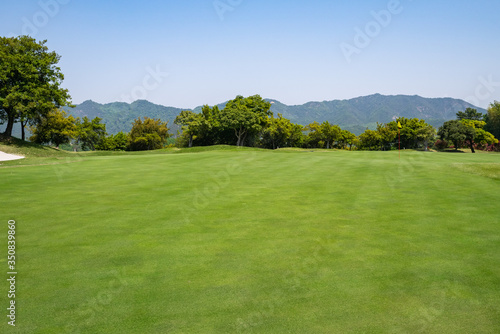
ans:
(248, 121)
(58, 128)
(414, 133)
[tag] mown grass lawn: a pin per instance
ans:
(255, 241)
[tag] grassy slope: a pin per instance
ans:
(256, 241)
(28, 149)
(34, 154)
(44, 155)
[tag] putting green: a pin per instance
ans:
(255, 241)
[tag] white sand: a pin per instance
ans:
(6, 157)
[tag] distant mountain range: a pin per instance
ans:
(364, 112)
(354, 115)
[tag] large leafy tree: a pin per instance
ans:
(453, 131)
(191, 124)
(456, 132)
(148, 134)
(370, 140)
(90, 132)
(117, 142)
(30, 82)
(324, 134)
(388, 134)
(56, 128)
(314, 135)
(330, 133)
(347, 138)
(245, 116)
(414, 132)
(206, 128)
(468, 128)
(281, 132)
(476, 134)
(297, 137)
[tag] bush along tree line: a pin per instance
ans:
(249, 122)
(31, 94)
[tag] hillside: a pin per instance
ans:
(359, 113)
(354, 114)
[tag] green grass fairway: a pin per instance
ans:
(254, 241)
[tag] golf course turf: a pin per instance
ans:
(253, 241)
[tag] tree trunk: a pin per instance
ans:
(191, 141)
(23, 135)
(240, 135)
(243, 140)
(471, 144)
(10, 124)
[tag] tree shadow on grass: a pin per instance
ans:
(16, 142)
(17, 146)
(452, 150)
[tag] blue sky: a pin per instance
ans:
(193, 52)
